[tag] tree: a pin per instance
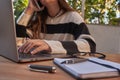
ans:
(83, 8)
(100, 11)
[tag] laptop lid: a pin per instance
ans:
(8, 47)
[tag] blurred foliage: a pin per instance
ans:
(19, 6)
(100, 11)
(115, 21)
(76, 4)
(96, 11)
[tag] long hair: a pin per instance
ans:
(38, 23)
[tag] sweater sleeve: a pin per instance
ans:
(82, 42)
(24, 19)
(21, 31)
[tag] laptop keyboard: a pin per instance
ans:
(28, 55)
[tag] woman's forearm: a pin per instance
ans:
(25, 17)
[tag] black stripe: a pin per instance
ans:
(70, 46)
(92, 45)
(61, 28)
(21, 31)
(82, 29)
(70, 28)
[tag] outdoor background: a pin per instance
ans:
(93, 11)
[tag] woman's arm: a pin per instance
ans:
(25, 17)
(82, 42)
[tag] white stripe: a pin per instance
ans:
(83, 45)
(60, 37)
(68, 17)
(56, 47)
(83, 36)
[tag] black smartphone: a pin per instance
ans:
(38, 4)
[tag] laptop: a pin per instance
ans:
(8, 46)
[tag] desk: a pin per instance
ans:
(13, 71)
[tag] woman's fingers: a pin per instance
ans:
(36, 6)
(28, 47)
(24, 46)
(34, 46)
(38, 49)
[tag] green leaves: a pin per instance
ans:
(76, 4)
(96, 11)
(102, 10)
(19, 6)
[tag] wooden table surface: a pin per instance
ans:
(19, 71)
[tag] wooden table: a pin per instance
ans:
(19, 71)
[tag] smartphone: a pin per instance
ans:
(38, 4)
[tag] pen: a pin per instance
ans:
(73, 61)
(42, 68)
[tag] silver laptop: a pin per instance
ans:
(8, 47)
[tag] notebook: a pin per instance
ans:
(8, 47)
(89, 68)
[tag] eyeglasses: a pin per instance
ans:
(89, 54)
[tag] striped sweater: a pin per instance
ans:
(66, 34)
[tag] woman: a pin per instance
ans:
(55, 28)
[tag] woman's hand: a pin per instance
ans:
(35, 45)
(32, 7)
